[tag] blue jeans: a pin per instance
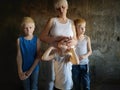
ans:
(80, 76)
(31, 83)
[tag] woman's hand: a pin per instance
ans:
(59, 39)
(69, 41)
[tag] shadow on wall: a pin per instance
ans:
(8, 36)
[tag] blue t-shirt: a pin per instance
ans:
(28, 51)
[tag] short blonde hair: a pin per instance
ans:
(79, 21)
(58, 3)
(27, 20)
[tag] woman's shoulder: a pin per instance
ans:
(70, 20)
(52, 20)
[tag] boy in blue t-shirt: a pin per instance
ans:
(28, 49)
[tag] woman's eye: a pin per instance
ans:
(30, 27)
(63, 7)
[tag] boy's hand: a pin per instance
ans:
(82, 57)
(28, 73)
(22, 76)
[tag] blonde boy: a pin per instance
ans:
(28, 47)
(80, 72)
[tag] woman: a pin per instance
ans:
(59, 29)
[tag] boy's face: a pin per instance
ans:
(63, 47)
(81, 28)
(28, 28)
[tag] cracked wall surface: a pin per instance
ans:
(103, 27)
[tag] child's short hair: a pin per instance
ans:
(79, 21)
(27, 20)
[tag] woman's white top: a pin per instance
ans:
(63, 74)
(60, 29)
(81, 49)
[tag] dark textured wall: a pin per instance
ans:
(103, 26)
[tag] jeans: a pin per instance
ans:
(80, 76)
(31, 83)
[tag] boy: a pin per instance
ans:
(62, 65)
(80, 72)
(28, 48)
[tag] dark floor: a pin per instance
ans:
(95, 86)
(106, 86)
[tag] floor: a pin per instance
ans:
(106, 86)
(94, 86)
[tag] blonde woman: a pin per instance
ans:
(58, 29)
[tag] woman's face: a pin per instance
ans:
(62, 9)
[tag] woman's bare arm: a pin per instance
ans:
(45, 34)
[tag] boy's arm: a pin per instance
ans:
(19, 61)
(89, 47)
(46, 56)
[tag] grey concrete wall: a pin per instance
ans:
(103, 26)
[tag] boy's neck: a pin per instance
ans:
(29, 37)
(62, 52)
(81, 36)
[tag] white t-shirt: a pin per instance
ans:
(81, 49)
(63, 74)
